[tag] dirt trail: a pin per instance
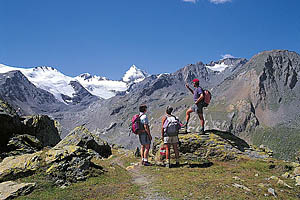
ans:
(141, 179)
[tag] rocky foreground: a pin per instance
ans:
(32, 143)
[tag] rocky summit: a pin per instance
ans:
(214, 145)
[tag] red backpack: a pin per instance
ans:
(136, 125)
(207, 97)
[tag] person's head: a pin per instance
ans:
(143, 108)
(196, 82)
(169, 110)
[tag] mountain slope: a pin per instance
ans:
(21, 93)
(261, 102)
(110, 118)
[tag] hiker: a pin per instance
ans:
(145, 135)
(169, 134)
(198, 105)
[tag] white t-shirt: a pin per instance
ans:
(144, 118)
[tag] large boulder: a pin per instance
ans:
(214, 145)
(16, 166)
(9, 124)
(23, 144)
(43, 128)
(68, 164)
(64, 165)
(82, 137)
(10, 189)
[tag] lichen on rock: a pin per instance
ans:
(82, 137)
(214, 145)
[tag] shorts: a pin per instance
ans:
(144, 138)
(197, 108)
(171, 140)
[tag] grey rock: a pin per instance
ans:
(81, 136)
(43, 128)
(241, 186)
(22, 144)
(68, 164)
(14, 167)
(10, 189)
(9, 124)
(272, 192)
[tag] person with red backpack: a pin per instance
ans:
(169, 134)
(144, 135)
(197, 107)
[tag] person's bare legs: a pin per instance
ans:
(176, 153)
(167, 146)
(142, 153)
(187, 117)
(201, 121)
(146, 153)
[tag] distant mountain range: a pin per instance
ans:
(76, 91)
(58, 84)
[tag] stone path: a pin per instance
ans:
(141, 179)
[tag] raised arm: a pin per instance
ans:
(188, 87)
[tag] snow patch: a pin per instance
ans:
(218, 67)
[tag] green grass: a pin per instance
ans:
(215, 182)
(283, 141)
(115, 183)
(201, 182)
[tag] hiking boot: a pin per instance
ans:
(146, 163)
(202, 132)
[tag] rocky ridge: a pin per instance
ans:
(261, 99)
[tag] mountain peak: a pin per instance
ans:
(44, 68)
(134, 74)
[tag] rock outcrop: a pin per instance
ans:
(10, 189)
(68, 164)
(64, 165)
(23, 144)
(9, 124)
(14, 167)
(45, 129)
(81, 136)
(23, 135)
(214, 145)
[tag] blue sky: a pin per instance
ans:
(105, 37)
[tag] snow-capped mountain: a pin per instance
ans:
(134, 75)
(46, 78)
(63, 87)
(101, 86)
(225, 64)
